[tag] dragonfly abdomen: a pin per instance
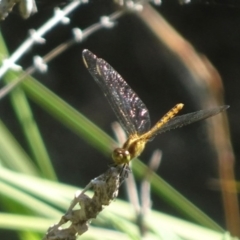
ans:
(172, 113)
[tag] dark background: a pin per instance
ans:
(188, 163)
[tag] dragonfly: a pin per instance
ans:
(132, 113)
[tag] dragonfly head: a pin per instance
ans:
(121, 156)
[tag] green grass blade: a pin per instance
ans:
(12, 154)
(40, 225)
(161, 188)
(31, 203)
(54, 194)
(30, 129)
(67, 115)
(26, 119)
(119, 215)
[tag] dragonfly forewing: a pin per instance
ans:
(128, 107)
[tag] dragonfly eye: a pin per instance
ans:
(121, 156)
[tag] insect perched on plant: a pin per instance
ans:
(132, 112)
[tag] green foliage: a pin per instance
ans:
(33, 199)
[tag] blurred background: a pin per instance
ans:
(189, 161)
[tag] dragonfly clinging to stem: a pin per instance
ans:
(132, 113)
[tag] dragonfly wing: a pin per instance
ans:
(189, 118)
(128, 107)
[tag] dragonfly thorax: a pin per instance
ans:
(121, 156)
(131, 149)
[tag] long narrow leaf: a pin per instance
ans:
(12, 154)
(26, 119)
